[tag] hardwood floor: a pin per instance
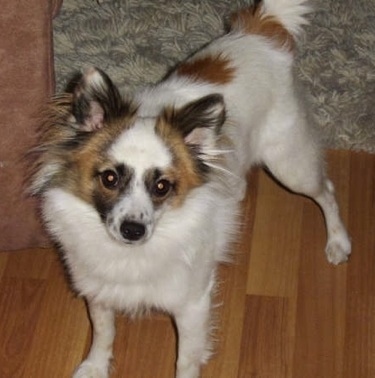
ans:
(285, 311)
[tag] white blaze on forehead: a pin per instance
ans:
(140, 148)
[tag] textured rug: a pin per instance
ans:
(136, 41)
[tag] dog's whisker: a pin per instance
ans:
(222, 169)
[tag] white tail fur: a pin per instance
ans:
(291, 13)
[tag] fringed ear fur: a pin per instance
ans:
(95, 100)
(200, 121)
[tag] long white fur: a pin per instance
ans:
(291, 13)
(175, 270)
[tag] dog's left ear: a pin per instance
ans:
(95, 100)
(201, 120)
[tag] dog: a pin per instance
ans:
(142, 193)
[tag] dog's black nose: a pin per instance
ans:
(132, 231)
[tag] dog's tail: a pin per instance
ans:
(280, 20)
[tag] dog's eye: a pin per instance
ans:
(162, 188)
(109, 179)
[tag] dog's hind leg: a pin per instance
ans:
(98, 360)
(338, 246)
(300, 168)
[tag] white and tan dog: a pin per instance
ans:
(142, 194)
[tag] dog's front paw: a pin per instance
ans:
(188, 369)
(90, 370)
(338, 250)
(188, 372)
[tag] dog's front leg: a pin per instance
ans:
(193, 325)
(97, 362)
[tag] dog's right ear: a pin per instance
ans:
(95, 100)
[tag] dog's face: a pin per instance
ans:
(137, 182)
(130, 169)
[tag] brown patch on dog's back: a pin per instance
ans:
(253, 21)
(212, 69)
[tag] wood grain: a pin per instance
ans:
(264, 351)
(360, 319)
(275, 249)
(283, 311)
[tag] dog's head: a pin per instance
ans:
(129, 168)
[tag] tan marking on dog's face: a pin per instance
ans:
(80, 168)
(184, 172)
(212, 69)
(252, 21)
(66, 155)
